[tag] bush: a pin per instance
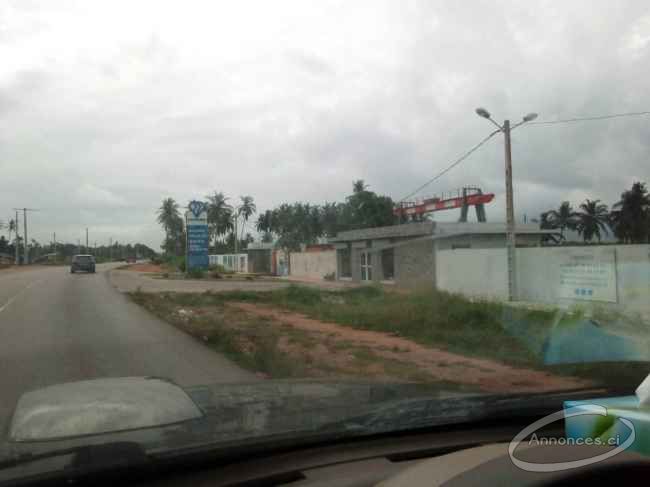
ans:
(330, 277)
(180, 263)
(156, 260)
(220, 269)
(196, 273)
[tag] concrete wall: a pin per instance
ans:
(486, 241)
(540, 278)
(415, 264)
(473, 272)
(313, 265)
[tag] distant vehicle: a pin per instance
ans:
(131, 260)
(82, 263)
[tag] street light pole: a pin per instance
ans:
(511, 239)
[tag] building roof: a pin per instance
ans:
(393, 231)
(437, 230)
(260, 246)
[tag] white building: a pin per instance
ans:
(231, 262)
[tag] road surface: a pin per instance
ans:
(60, 327)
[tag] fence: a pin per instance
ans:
(313, 265)
(231, 262)
(616, 274)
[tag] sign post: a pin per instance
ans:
(196, 222)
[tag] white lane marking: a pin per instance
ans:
(17, 295)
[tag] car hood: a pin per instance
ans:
(161, 418)
(159, 414)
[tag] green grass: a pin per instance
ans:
(451, 322)
(477, 328)
(220, 336)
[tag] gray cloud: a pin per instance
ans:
(98, 125)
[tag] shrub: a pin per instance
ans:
(330, 277)
(196, 273)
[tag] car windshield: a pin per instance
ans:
(422, 201)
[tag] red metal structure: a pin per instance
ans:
(463, 199)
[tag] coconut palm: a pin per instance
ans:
(630, 217)
(219, 215)
(12, 227)
(592, 220)
(563, 218)
(359, 186)
(170, 218)
(245, 211)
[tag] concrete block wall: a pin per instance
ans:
(313, 265)
(483, 273)
(473, 272)
(415, 264)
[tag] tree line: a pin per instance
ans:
(62, 251)
(226, 224)
(628, 219)
(289, 224)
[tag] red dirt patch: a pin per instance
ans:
(143, 268)
(488, 375)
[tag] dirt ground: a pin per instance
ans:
(143, 268)
(388, 355)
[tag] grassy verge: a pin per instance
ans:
(249, 343)
(448, 321)
(475, 328)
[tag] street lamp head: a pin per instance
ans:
(530, 117)
(482, 112)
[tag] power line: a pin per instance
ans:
(451, 166)
(586, 119)
(542, 122)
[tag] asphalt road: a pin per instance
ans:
(60, 327)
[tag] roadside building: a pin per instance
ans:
(266, 258)
(230, 262)
(315, 261)
(405, 255)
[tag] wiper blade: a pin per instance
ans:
(115, 454)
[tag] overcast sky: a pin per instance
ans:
(108, 107)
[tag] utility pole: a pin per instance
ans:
(17, 240)
(510, 217)
(87, 248)
(236, 240)
(26, 258)
(26, 248)
(110, 249)
(510, 211)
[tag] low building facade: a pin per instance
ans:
(405, 255)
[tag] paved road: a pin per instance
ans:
(58, 327)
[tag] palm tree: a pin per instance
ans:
(592, 218)
(12, 227)
(359, 186)
(264, 222)
(564, 217)
(245, 211)
(630, 217)
(169, 217)
(219, 215)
